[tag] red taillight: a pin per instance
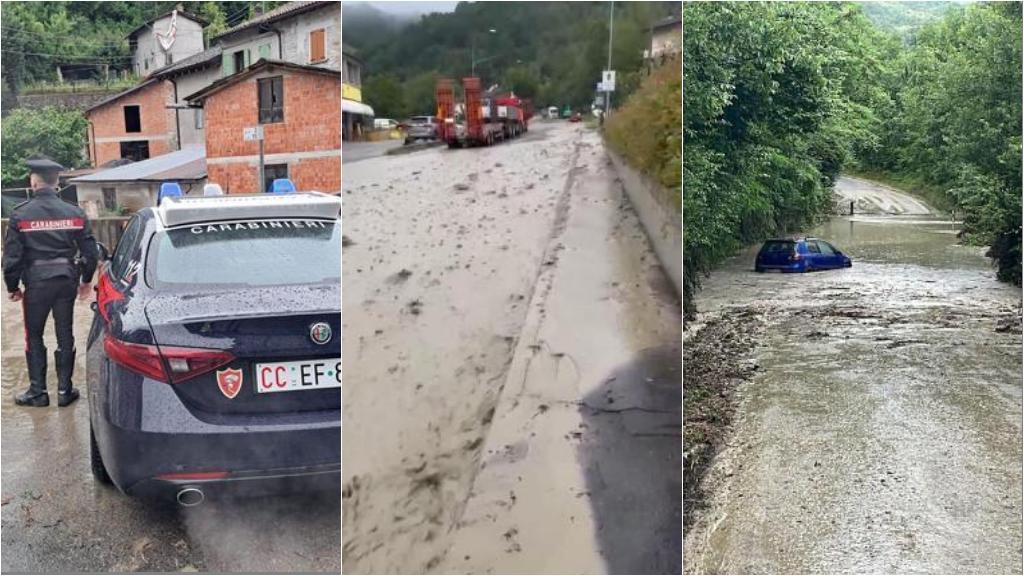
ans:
(193, 476)
(165, 363)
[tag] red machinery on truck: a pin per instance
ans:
(483, 119)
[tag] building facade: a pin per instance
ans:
(298, 109)
(356, 116)
(306, 33)
(164, 40)
(136, 124)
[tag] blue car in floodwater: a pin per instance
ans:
(214, 359)
(800, 255)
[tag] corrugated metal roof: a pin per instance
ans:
(278, 13)
(185, 164)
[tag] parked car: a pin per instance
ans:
(421, 128)
(800, 255)
(575, 117)
(214, 358)
(553, 112)
(385, 124)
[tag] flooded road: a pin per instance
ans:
(511, 365)
(57, 519)
(881, 432)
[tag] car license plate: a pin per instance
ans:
(298, 375)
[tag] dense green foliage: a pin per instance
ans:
(552, 52)
(57, 133)
(955, 123)
(780, 97)
(904, 18)
(37, 36)
(775, 103)
(656, 149)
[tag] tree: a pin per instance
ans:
(385, 94)
(55, 132)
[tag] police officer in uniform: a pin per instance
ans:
(43, 238)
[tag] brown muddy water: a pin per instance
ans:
(881, 432)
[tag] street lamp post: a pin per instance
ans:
(611, 27)
(472, 57)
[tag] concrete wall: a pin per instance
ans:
(149, 56)
(131, 195)
(189, 84)
(660, 218)
(294, 41)
(107, 129)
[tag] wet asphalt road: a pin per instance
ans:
(356, 151)
(511, 396)
(882, 431)
(56, 519)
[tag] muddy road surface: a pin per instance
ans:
(511, 398)
(881, 430)
(57, 519)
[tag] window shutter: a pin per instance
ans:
(316, 45)
(248, 51)
(265, 51)
(227, 64)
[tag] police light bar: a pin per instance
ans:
(196, 209)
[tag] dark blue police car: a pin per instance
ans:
(214, 359)
(800, 255)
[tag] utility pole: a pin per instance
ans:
(611, 28)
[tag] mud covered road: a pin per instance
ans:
(57, 519)
(511, 397)
(880, 431)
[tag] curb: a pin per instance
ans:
(660, 220)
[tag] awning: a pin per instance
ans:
(353, 107)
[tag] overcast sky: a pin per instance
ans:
(413, 8)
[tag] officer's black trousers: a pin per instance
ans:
(42, 297)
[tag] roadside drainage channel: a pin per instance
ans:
(660, 220)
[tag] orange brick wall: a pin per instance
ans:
(108, 122)
(312, 122)
(320, 174)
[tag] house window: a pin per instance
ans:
(272, 172)
(198, 114)
(135, 150)
(316, 46)
(110, 199)
(132, 119)
(239, 60)
(271, 100)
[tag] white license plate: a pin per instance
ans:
(298, 375)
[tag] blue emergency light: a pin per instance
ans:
(282, 186)
(168, 190)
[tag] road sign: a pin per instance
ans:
(608, 80)
(253, 133)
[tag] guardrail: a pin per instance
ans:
(107, 229)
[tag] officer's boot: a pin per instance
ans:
(65, 363)
(36, 394)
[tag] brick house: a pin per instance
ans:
(136, 124)
(299, 109)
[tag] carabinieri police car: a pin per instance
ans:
(214, 359)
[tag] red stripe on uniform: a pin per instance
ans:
(24, 319)
(52, 224)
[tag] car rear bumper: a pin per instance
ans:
(790, 267)
(148, 438)
(245, 484)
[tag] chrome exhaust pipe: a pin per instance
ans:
(191, 496)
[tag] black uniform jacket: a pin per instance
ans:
(43, 237)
